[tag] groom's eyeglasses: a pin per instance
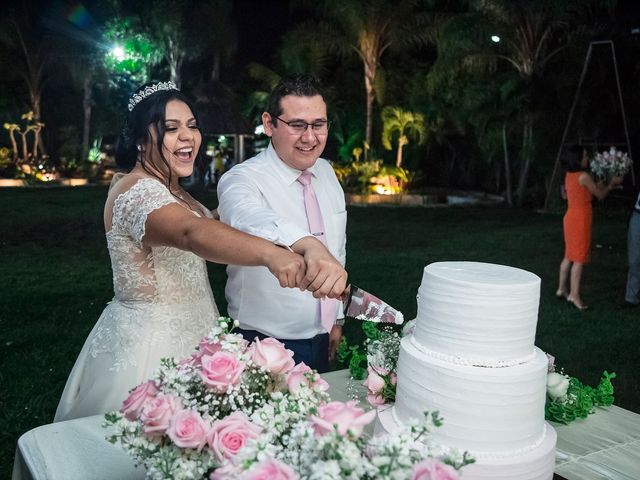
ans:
(298, 127)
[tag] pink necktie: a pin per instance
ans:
(316, 227)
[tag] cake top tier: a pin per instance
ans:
(479, 313)
(483, 275)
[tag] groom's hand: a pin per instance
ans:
(334, 340)
(325, 276)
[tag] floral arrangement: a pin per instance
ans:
(569, 399)
(240, 410)
(608, 164)
(377, 361)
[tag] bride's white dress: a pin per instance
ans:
(162, 306)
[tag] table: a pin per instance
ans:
(605, 446)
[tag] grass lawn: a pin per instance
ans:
(56, 279)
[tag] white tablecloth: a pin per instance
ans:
(605, 446)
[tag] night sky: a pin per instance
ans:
(260, 25)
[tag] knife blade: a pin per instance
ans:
(360, 304)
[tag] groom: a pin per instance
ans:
(290, 196)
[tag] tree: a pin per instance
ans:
(368, 29)
(402, 123)
(266, 80)
(527, 37)
(29, 52)
(216, 33)
(133, 52)
(170, 33)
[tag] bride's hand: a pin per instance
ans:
(288, 267)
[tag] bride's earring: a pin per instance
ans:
(141, 153)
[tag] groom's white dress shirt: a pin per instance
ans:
(263, 197)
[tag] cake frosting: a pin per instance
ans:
(478, 311)
(472, 358)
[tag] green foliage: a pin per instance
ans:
(401, 124)
(354, 357)
(347, 145)
(355, 176)
(95, 155)
(5, 157)
(580, 400)
(69, 151)
(363, 177)
(140, 52)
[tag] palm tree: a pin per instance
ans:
(368, 29)
(256, 102)
(403, 123)
(528, 36)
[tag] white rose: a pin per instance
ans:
(557, 385)
(408, 328)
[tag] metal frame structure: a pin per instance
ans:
(552, 189)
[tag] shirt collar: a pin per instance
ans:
(288, 174)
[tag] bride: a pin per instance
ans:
(158, 238)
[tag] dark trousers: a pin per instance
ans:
(314, 352)
(632, 294)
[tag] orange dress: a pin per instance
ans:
(578, 219)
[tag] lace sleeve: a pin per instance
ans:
(132, 208)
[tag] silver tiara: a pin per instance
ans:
(137, 97)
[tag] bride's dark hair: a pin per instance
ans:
(135, 134)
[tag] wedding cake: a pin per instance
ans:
(472, 358)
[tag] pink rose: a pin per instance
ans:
(228, 435)
(343, 417)
(207, 347)
(156, 414)
(221, 370)
(270, 469)
(375, 400)
(393, 379)
(301, 374)
(188, 430)
(374, 382)
(273, 356)
(137, 399)
(433, 469)
(190, 361)
(228, 471)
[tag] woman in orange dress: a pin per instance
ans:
(580, 188)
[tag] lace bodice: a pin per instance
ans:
(163, 275)
(163, 301)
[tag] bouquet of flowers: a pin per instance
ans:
(240, 410)
(569, 399)
(609, 164)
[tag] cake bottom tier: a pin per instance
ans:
(536, 463)
(488, 410)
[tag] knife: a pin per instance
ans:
(360, 304)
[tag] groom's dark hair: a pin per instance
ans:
(300, 85)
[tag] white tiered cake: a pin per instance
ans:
(472, 358)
